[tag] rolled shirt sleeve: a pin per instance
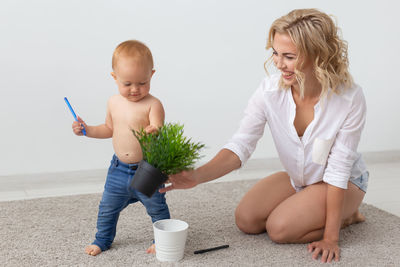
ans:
(251, 129)
(343, 153)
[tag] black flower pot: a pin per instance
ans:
(147, 178)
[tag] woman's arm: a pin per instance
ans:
(337, 173)
(328, 247)
(223, 163)
(334, 211)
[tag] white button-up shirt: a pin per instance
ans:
(327, 151)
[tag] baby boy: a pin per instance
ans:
(133, 108)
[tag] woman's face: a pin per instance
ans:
(285, 56)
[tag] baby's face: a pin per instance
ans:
(133, 78)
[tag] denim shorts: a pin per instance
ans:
(361, 181)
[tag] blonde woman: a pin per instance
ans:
(316, 115)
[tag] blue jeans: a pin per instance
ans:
(118, 195)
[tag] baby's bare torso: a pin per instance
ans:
(127, 116)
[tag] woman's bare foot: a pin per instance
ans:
(151, 249)
(92, 250)
(357, 217)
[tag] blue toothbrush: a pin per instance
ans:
(73, 114)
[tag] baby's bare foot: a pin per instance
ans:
(151, 249)
(92, 250)
(357, 217)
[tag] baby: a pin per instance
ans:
(133, 108)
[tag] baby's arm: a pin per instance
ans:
(103, 130)
(156, 116)
(100, 131)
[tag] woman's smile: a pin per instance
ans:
(287, 75)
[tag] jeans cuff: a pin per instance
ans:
(100, 245)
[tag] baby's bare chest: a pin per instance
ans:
(130, 116)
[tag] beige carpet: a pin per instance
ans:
(54, 232)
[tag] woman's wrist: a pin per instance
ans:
(197, 176)
(334, 238)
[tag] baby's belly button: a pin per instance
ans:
(129, 154)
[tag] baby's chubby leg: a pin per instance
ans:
(157, 208)
(92, 250)
(110, 207)
(111, 204)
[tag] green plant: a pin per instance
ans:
(168, 150)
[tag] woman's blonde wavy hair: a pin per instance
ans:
(316, 38)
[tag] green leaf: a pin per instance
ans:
(168, 150)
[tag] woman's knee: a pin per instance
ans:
(247, 222)
(278, 230)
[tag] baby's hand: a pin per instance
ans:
(77, 126)
(151, 129)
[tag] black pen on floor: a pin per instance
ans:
(210, 249)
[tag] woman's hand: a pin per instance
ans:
(328, 249)
(223, 163)
(182, 180)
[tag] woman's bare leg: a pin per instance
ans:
(301, 217)
(253, 210)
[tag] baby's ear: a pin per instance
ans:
(113, 75)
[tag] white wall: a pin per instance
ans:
(208, 57)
